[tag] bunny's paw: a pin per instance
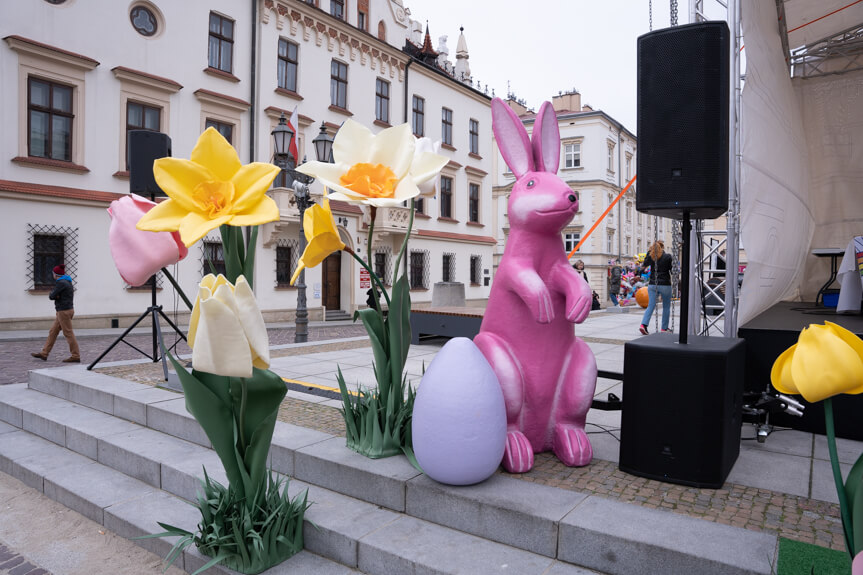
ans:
(579, 311)
(571, 445)
(518, 456)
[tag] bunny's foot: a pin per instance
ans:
(518, 456)
(571, 445)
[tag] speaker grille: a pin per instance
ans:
(683, 91)
(145, 147)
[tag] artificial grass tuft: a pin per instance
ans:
(798, 558)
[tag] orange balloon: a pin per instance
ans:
(641, 296)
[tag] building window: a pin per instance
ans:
(448, 267)
(382, 100)
(50, 246)
(475, 270)
(446, 126)
(610, 157)
(611, 212)
(337, 9)
(283, 266)
(572, 155)
(339, 84)
(382, 31)
(288, 65)
(474, 137)
(609, 246)
(418, 118)
(419, 269)
(227, 130)
(221, 45)
(213, 259)
(362, 20)
(628, 211)
(570, 240)
(473, 203)
(420, 205)
(50, 120)
(144, 21)
(445, 197)
(141, 117)
(628, 166)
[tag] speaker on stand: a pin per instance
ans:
(144, 147)
(682, 399)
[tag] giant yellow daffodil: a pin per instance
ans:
(321, 235)
(826, 360)
(227, 333)
(210, 189)
(379, 170)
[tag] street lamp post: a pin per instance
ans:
(282, 137)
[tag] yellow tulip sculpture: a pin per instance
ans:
(251, 524)
(379, 171)
(827, 360)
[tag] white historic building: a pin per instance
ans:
(78, 74)
(597, 160)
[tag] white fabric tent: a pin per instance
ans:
(801, 144)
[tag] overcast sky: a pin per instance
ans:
(542, 47)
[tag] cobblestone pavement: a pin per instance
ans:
(11, 563)
(15, 360)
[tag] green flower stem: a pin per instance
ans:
(405, 242)
(373, 212)
(371, 273)
(837, 475)
(177, 288)
(243, 399)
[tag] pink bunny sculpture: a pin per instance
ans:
(548, 376)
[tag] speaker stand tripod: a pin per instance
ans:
(154, 312)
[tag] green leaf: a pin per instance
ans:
(208, 400)
(854, 492)
(377, 331)
(233, 265)
(399, 324)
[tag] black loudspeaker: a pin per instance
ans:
(144, 147)
(682, 408)
(683, 107)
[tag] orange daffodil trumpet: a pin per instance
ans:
(210, 189)
(827, 360)
(227, 333)
(380, 170)
(321, 235)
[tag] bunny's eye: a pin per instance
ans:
(531, 183)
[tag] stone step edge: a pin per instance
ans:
(323, 460)
(135, 510)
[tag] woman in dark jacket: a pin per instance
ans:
(659, 284)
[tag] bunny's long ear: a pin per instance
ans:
(546, 140)
(511, 138)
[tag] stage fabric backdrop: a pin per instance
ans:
(833, 122)
(775, 214)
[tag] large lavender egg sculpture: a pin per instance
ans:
(459, 417)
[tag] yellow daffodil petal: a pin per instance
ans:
(394, 147)
(163, 217)
(300, 267)
(252, 182)
(252, 322)
(780, 374)
(353, 144)
(195, 226)
(179, 177)
(855, 343)
(213, 152)
(266, 210)
(427, 166)
(824, 365)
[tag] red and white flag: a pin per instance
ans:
(294, 123)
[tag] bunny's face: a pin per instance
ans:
(541, 202)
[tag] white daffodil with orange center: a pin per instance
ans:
(379, 170)
(210, 189)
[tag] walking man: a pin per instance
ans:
(62, 294)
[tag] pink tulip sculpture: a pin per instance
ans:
(137, 254)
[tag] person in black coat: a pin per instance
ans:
(659, 284)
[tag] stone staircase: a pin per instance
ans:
(128, 455)
(337, 315)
